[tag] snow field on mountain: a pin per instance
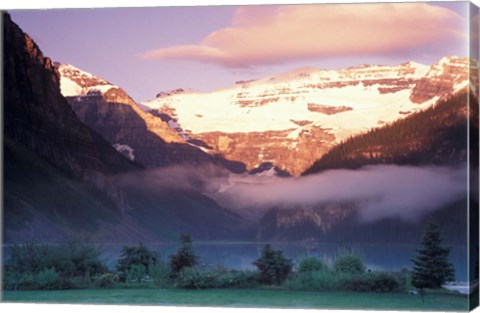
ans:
(218, 111)
(75, 82)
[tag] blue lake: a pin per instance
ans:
(237, 255)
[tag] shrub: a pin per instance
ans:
(385, 282)
(349, 264)
(27, 281)
(195, 278)
(69, 265)
(311, 264)
(161, 274)
(106, 280)
(136, 257)
(48, 279)
(11, 279)
(236, 279)
(273, 267)
(318, 280)
(192, 278)
(137, 272)
(377, 282)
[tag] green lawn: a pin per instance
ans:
(245, 298)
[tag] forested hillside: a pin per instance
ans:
(436, 136)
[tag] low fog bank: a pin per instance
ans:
(381, 191)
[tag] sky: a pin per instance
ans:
(148, 50)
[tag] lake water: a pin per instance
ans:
(241, 255)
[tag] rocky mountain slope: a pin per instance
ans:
(63, 179)
(292, 119)
(338, 223)
(37, 117)
(434, 137)
(143, 137)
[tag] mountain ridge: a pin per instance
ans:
(62, 179)
(275, 119)
(436, 136)
(150, 140)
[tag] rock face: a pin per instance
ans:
(291, 154)
(292, 119)
(85, 91)
(443, 78)
(39, 118)
(112, 113)
(55, 166)
(61, 178)
(436, 136)
(302, 223)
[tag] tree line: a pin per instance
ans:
(78, 265)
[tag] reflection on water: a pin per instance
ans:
(241, 255)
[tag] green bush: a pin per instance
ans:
(384, 282)
(48, 279)
(377, 282)
(11, 280)
(161, 275)
(64, 266)
(133, 259)
(318, 280)
(311, 264)
(195, 278)
(107, 280)
(192, 278)
(349, 264)
(27, 281)
(236, 279)
(137, 272)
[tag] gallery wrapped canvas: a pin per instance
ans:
(317, 156)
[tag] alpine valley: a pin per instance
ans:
(82, 158)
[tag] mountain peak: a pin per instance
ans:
(293, 109)
(445, 77)
(75, 82)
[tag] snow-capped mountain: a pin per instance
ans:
(153, 141)
(292, 119)
(75, 82)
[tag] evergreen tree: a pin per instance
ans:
(431, 268)
(185, 256)
(273, 266)
(140, 255)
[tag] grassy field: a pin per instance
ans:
(245, 298)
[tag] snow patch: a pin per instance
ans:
(69, 88)
(125, 150)
(75, 82)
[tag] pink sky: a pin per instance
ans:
(260, 35)
(148, 50)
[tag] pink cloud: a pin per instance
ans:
(274, 34)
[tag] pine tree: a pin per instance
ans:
(273, 266)
(185, 256)
(431, 268)
(140, 255)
